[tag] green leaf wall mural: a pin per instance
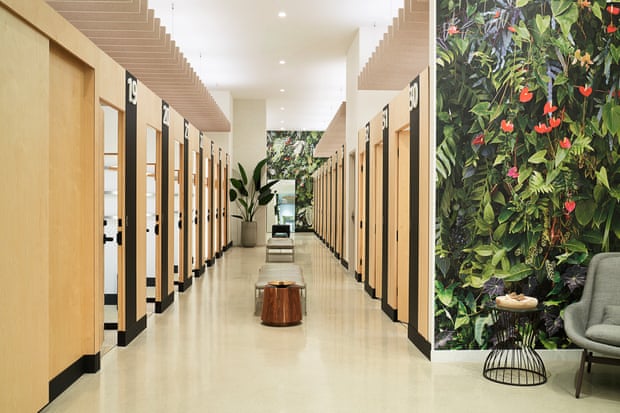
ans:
(290, 156)
(528, 158)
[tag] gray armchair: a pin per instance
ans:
(593, 323)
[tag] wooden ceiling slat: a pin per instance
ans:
(402, 53)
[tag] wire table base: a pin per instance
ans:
(513, 359)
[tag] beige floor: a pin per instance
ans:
(208, 353)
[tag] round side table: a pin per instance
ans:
(513, 359)
(281, 304)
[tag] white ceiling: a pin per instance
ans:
(236, 46)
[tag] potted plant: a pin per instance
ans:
(249, 195)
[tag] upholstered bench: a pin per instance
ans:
(278, 247)
(278, 272)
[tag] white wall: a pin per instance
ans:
(249, 145)
(224, 140)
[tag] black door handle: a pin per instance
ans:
(119, 238)
(107, 239)
(156, 229)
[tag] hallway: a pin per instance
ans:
(209, 353)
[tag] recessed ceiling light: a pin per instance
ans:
(282, 14)
(282, 108)
(282, 62)
(281, 121)
(282, 90)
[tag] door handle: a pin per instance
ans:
(156, 229)
(107, 239)
(119, 238)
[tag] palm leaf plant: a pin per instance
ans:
(249, 195)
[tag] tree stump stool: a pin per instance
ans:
(281, 304)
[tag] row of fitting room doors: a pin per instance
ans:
(165, 216)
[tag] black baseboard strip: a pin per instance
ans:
(150, 299)
(126, 337)
(197, 272)
(160, 307)
(372, 292)
(184, 286)
(358, 277)
(203, 269)
(110, 299)
(150, 281)
(344, 263)
(90, 363)
(210, 262)
(218, 255)
(110, 326)
(337, 255)
(392, 313)
(420, 342)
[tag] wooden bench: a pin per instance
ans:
(279, 247)
(278, 272)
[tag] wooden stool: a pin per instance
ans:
(281, 304)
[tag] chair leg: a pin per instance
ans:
(589, 362)
(580, 373)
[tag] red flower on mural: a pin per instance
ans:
(513, 172)
(452, 29)
(585, 90)
(569, 206)
(507, 126)
(542, 128)
(613, 10)
(525, 95)
(611, 28)
(565, 143)
(512, 29)
(549, 108)
(478, 140)
(554, 122)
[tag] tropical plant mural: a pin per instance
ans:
(528, 157)
(290, 156)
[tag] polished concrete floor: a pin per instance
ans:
(209, 353)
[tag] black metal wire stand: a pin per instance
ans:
(513, 359)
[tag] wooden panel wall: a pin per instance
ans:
(361, 205)
(24, 247)
(398, 201)
(376, 207)
(51, 165)
(72, 191)
(424, 264)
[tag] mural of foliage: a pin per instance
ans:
(290, 156)
(528, 158)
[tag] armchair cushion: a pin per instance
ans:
(611, 315)
(604, 333)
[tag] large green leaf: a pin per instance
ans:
(244, 176)
(480, 326)
(258, 170)
(584, 211)
(518, 272)
(611, 118)
(574, 245)
(484, 250)
(239, 186)
(566, 13)
(445, 295)
(601, 177)
(489, 215)
(538, 157)
(232, 194)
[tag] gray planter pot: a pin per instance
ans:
(248, 234)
